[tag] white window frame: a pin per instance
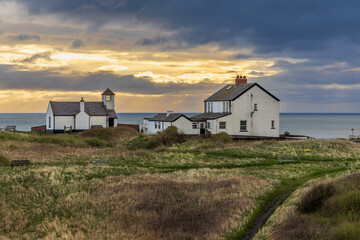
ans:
(194, 125)
(243, 126)
(108, 97)
(255, 107)
(222, 125)
(208, 125)
(155, 125)
(272, 124)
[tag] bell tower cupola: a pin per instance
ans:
(108, 98)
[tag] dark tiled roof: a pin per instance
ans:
(108, 92)
(163, 118)
(112, 113)
(208, 116)
(230, 92)
(96, 109)
(73, 108)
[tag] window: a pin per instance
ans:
(224, 110)
(211, 107)
(49, 122)
(208, 107)
(255, 107)
(202, 126)
(207, 125)
(243, 127)
(155, 125)
(227, 107)
(222, 125)
(272, 124)
(108, 98)
(194, 125)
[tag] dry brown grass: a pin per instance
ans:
(155, 207)
(191, 205)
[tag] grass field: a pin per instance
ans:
(151, 188)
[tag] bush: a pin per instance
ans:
(315, 197)
(138, 142)
(96, 142)
(171, 136)
(4, 161)
(167, 137)
(221, 137)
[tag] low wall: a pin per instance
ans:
(133, 126)
(39, 128)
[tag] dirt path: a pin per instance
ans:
(260, 221)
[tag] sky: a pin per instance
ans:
(172, 54)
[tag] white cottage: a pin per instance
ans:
(242, 109)
(82, 115)
(161, 121)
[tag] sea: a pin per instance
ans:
(317, 125)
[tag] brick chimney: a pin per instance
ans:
(240, 80)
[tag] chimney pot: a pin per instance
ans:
(168, 112)
(240, 80)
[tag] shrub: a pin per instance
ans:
(138, 142)
(96, 142)
(4, 161)
(171, 136)
(221, 137)
(315, 197)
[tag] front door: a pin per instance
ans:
(111, 122)
(202, 128)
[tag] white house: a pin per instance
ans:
(240, 109)
(161, 121)
(80, 116)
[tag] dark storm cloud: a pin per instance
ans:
(77, 43)
(272, 26)
(44, 80)
(311, 83)
(25, 37)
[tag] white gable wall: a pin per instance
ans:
(184, 125)
(260, 122)
(82, 121)
(98, 120)
(49, 117)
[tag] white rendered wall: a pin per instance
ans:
(49, 113)
(98, 120)
(82, 121)
(61, 121)
(260, 122)
(184, 125)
